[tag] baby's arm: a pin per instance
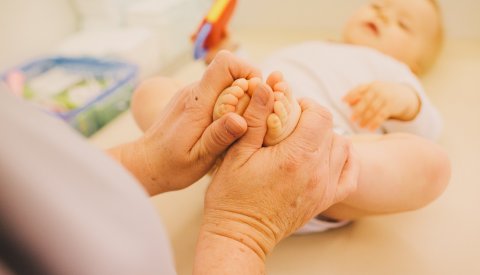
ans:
(377, 102)
(396, 107)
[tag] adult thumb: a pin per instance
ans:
(220, 135)
(256, 114)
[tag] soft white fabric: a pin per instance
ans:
(66, 207)
(326, 72)
(317, 225)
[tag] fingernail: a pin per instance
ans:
(253, 84)
(235, 125)
(262, 93)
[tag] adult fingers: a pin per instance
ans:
(219, 136)
(348, 180)
(252, 85)
(314, 127)
(261, 105)
(337, 156)
(219, 75)
(343, 181)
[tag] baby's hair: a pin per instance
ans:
(429, 58)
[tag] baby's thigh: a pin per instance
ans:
(155, 90)
(151, 97)
(391, 176)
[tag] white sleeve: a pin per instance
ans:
(66, 207)
(427, 123)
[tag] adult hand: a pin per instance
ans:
(260, 195)
(376, 102)
(184, 143)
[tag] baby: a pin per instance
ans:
(367, 71)
(368, 83)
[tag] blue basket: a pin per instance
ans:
(98, 111)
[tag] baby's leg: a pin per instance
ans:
(150, 98)
(399, 172)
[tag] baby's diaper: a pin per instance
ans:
(318, 224)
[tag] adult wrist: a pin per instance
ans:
(253, 233)
(133, 157)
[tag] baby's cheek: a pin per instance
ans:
(403, 48)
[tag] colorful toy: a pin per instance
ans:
(212, 30)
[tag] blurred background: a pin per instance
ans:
(154, 35)
(154, 32)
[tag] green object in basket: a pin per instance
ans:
(85, 92)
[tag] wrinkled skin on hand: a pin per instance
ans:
(184, 142)
(260, 195)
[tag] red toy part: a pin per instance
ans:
(219, 28)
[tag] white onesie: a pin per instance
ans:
(326, 72)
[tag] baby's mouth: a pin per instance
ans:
(372, 27)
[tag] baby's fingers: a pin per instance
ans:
(362, 106)
(380, 117)
(376, 105)
(355, 95)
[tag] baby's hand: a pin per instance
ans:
(376, 102)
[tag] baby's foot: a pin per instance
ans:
(286, 111)
(235, 98)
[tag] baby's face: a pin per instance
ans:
(403, 29)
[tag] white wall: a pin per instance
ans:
(31, 27)
(462, 17)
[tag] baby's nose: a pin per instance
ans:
(384, 15)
